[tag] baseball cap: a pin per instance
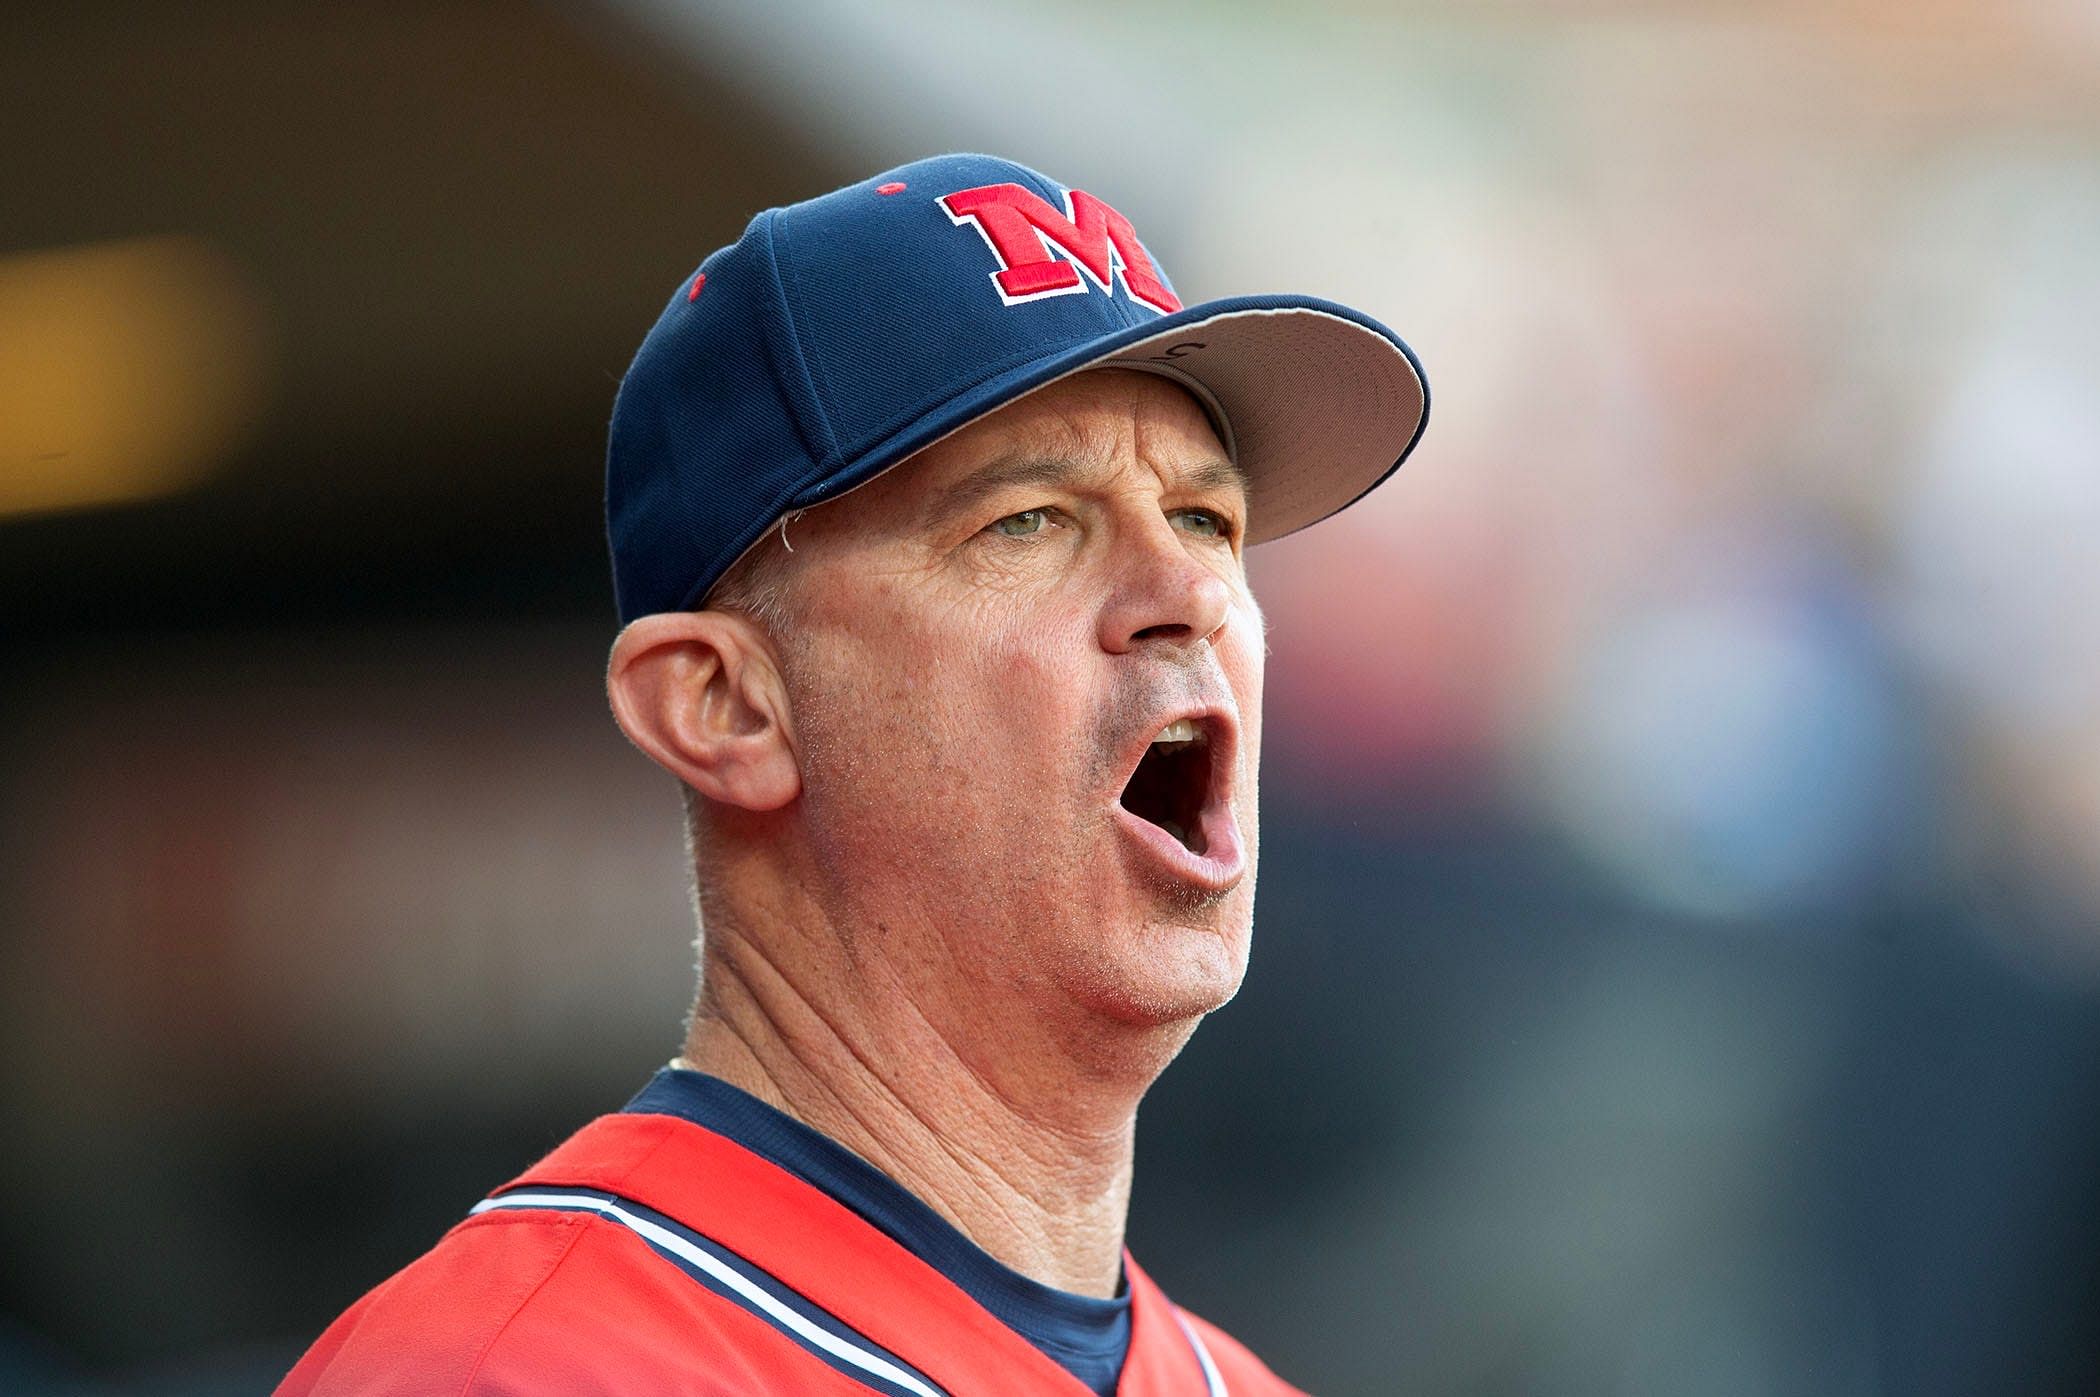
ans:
(839, 335)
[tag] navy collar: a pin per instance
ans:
(1087, 1336)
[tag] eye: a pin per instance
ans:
(1202, 523)
(1028, 521)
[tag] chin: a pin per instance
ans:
(1167, 973)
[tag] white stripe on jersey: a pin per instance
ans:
(752, 1295)
(1211, 1376)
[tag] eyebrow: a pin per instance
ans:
(1007, 473)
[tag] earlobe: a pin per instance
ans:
(700, 693)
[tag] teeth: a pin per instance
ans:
(1180, 730)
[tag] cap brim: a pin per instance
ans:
(1321, 402)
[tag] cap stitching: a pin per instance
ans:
(813, 369)
(791, 332)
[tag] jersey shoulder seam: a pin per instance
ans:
(582, 1230)
(578, 1230)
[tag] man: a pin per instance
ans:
(927, 502)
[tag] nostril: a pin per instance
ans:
(1167, 632)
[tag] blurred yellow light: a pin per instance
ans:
(128, 370)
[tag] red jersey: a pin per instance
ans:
(651, 1255)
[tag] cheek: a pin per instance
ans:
(1020, 687)
(929, 710)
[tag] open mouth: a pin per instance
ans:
(1171, 785)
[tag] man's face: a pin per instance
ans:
(989, 643)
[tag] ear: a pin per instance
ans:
(700, 692)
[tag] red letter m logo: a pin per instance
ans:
(1026, 234)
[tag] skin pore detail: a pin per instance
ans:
(948, 946)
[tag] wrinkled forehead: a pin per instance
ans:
(1095, 421)
(1094, 424)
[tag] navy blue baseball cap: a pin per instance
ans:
(839, 335)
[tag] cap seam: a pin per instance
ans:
(791, 331)
(814, 372)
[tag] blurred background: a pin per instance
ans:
(1678, 956)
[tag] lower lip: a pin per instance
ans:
(1218, 868)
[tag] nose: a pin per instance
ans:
(1161, 593)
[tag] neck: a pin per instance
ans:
(1026, 1154)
